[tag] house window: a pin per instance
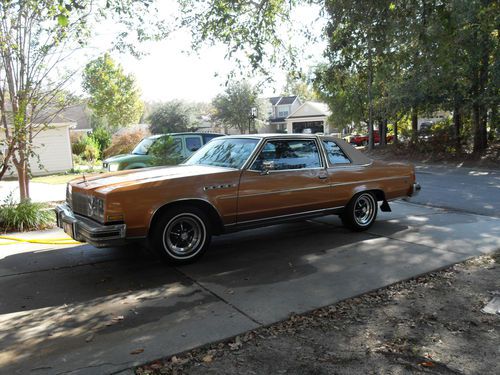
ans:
(282, 113)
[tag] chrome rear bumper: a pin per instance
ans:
(83, 229)
(415, 189)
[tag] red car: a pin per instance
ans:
(362, 140)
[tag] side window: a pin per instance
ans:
(177, 145)
(335, 154)
(289, 154)
(193, 143)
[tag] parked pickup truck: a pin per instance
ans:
(230, 184)
(186, 144)
(362, 140)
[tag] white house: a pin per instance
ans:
(53, 147)
(310, 117)
(281, 107)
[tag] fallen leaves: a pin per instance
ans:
(208, 358)
(236, 344)
(136, 351)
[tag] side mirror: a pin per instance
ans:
(267, 166)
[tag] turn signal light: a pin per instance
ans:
(115, 217)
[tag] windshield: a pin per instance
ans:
(143, 147)
(220, 152)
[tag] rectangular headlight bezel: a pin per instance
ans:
(97, 208)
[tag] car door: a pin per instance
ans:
(343, 174)
(295, 180)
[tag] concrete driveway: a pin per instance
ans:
(39, 192)
(81, 310)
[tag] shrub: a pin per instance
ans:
(78, 145)
(165, 152)
(91, 152)
(26, 215)
(77, 159)
(87, 148)
(124, 143)
(102, 137)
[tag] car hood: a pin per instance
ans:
(104, 183)
(124, 157)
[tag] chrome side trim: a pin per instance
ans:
(365, 181)
(282, 218)
(284, 191)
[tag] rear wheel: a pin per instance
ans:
(361, 212)
(181, 235)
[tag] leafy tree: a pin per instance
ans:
(251, 30)
(412, 58)
(37, 38)
(357, 50)
(301, 87)
(102, 136)
(233, 108)
(171, 117)
(113, 94)
(165, 152)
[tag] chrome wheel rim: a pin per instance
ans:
(364, 209)
(184, 236)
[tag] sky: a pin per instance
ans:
(169, 72)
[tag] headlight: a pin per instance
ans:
(96, 208)
(113, 167)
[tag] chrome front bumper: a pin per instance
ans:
(83, 229)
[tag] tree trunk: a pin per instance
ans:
(414, 125)
(494, 122)
(479, 114)
(371, 141)
(396, 132)
(22, 176)
(457, 126)
(477, 123)
(383, 132)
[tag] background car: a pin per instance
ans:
(185, 145)
(362, 140)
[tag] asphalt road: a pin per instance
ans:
(463, 189)
(81, 310)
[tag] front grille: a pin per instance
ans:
(80, 204)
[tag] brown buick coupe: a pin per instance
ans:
(232, 183)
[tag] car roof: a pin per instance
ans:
(155, 136)
(279, 135)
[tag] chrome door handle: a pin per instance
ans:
(322, 177)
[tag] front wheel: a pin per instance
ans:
(181, 235)
(361, 212)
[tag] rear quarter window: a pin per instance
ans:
(335, 154)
